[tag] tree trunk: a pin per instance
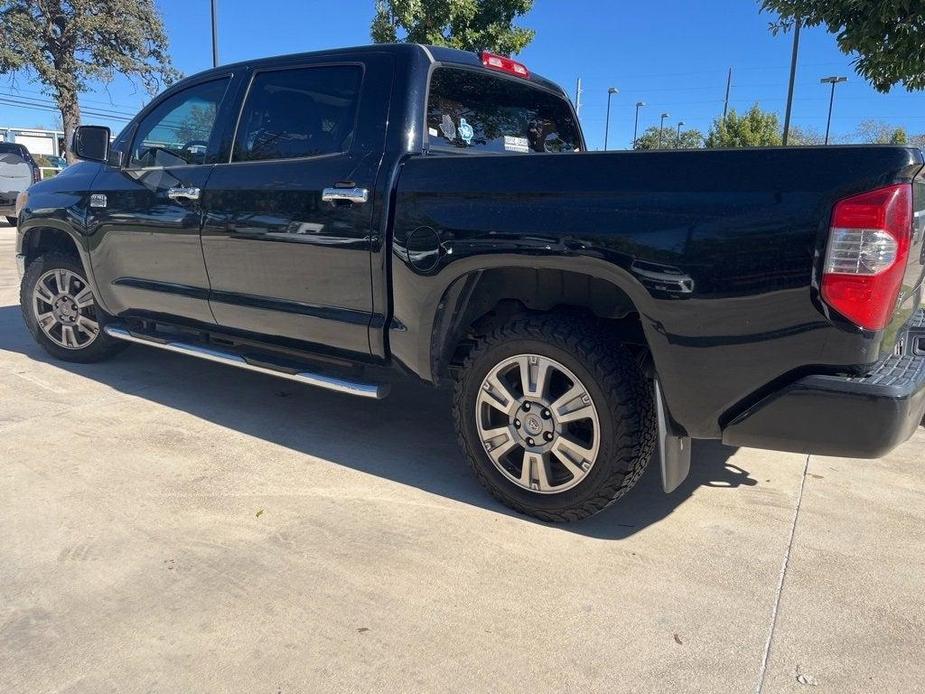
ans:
(70, 116)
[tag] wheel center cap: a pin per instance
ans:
(533, 424)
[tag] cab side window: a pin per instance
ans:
(295, 113)
(178, 130)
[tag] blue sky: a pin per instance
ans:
(673, 54)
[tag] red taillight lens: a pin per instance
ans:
(500, 62)
(866, 256)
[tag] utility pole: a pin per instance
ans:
(661, 128)
(636, 122)
(610, 93)
(728, 87)
(833, 80)
(793, 77)
(214, 33)
(578, 98)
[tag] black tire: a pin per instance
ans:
(12, 221)
(619, 392)
(102, 347)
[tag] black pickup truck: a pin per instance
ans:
(337, 218)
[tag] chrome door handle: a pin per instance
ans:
(183, 193)
(355, 195)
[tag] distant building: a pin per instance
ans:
(36, 140)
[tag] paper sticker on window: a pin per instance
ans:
(448, 127)
(516, 144)
(432, 132)
(466, 131)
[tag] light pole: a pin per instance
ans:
(639, 104)
(214, 33)
(833, 80)
(661, 128)
(680, 123)
(793, 77)
(610, 93)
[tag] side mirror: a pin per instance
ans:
(91, 143)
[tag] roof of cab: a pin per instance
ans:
(439, 54)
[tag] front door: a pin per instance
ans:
(285, 261)
(145, 215)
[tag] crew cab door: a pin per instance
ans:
(283, 261)
(145, 213)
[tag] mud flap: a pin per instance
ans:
(674, 450)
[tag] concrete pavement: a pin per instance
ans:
(173, 525)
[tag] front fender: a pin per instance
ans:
(60, 204)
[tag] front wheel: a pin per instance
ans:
(60, 310)
(554, 416)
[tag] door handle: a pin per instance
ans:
(355, 195)
(181, 194)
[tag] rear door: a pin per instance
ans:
(283, 261)
(145, 215)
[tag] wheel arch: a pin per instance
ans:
(38, 239)
(482, 297)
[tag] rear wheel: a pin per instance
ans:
(554, 416)
(60, 310)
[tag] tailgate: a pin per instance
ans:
(911, 293)
(15, 174)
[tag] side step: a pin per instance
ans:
(340, 385)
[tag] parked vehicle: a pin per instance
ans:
(18, 171)
(50, 165)
(345, 217)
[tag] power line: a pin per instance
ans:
(54, 109)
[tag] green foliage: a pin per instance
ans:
(877, 132)
(690, 139)
(69, 43)
(470, 25)
(755, 128)
(886, 35)
(805, 137)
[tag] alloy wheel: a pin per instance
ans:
(538, 423)
(65, 309)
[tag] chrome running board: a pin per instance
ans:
(340, 385)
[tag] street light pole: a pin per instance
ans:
(793, 76)
(680, 123)
(610, 93)
(661, 128)
(636, 122)
(833, 80)
(214, 33)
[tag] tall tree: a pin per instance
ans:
(877, 132)
(69, 43)
(754, 128)
(886, 36)
(805, 137)
(690, 139)
(470, 25)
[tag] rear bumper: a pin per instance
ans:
(863, 417)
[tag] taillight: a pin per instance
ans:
(36, 174)
(867, 252)
(500, 62)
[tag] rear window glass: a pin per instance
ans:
(477, 111)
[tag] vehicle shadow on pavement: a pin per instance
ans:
(408, 438)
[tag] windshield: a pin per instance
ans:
(472, 110)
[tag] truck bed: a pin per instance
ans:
(718, 251)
